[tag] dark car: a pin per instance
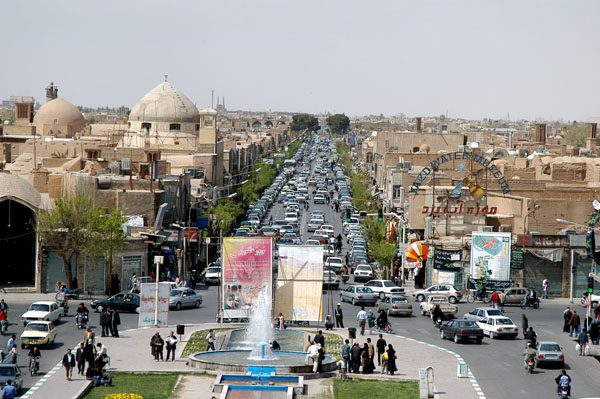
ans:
(124, 301)
(460, 330)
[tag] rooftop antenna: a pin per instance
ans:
(212, 99)
(166, 77)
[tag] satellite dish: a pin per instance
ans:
(596, 205)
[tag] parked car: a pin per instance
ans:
(460, 330)
(331, 280)
(11, 372)
(448, 291)
(212, 276)
(498, 326)
(42, 310)
(395, 305)
(479, 314)
(447, 308)
(363, 273)
(123, 301)
(358, 294)
(514, 295)
(184, 297)
(549, 353)
(384, 287)
(40, 333)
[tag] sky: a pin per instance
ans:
(470, 59)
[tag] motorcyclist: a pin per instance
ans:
(382, 320)
(563, 380)
(531, 336)
(482, 291)
(83, 312)
(531, 296)
(436, 314)
(34, 353)
(529, 353)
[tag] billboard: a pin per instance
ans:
(147, 304)
(300, 282)
(490, 256)
(247, 269)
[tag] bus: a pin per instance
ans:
(289, 164)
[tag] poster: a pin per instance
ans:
(447, 259)
(247, 269)
(147, 304)
(445, 277)
(300, 282)
(490, 256)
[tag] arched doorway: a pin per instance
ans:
(18, 244)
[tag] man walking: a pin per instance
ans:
(320, 339)
(361, 317)
(545, 289)
(80, 358)
(583, 342)
(502, 297)
(11, 342)
(524, 324)
(346, 356)
(68, 362)
(575, 324)
(116, 321)
(495, 299)
(9, 391)
(211, 340)
(339, 316)
(171, 346)
(371, 354)
(104, 322)
(381, 344)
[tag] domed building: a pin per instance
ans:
(58, 117)
(164, 118)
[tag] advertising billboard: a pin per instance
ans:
(490, 256)
(247, 269)
(147, 304)
(300, 282)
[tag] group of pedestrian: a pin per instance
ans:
(361, 359)
(92, 353)
(157, 344)
(586, 332)
(315, 351)
(109, 322)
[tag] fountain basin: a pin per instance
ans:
(237, 361)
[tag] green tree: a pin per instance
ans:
(225, 213)
(304, 121)
(109, 237)
(576, 134)
(338, 123)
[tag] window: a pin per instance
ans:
(146, 125)
(397, 194)
(175, 126)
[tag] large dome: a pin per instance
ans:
(59, 112)
(165, 103)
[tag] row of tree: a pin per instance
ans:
(338, 123)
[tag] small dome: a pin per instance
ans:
(164, 103)
(59, 112)
(19, 189)
(424, 148)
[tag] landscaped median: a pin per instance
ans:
(136, 386)
(374, 389)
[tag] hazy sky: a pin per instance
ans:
(475, 59)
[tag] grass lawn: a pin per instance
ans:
(198, 342)
(150, 386)
(373, 389)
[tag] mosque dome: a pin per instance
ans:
(164, 103)
(59, 112)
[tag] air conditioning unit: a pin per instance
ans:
(506, 228)
(191, 171)
(487, 229)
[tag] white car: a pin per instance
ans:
(328, 229)
(330, 279)
(291, 217)
(319, 199)
(334, 263)
(447, 290)
(498, 326)
(212, 276)
(42, 311)
(384, 287)
(363, 273)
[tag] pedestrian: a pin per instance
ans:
(116, 321)
(495, 298)
(106, 379)
(371, 320)
(109, 322)
(566, 317)
(364, 360)
(381, 344)
(9, 391)
(583, 342)
(346, 355)
(80, 358)
(355, 353)
(104, 322)
(391, 354)
(156, 344)
(531, 336)
(328, 322)
(89, 338)
(575, 324)
(313, 354)
(594, 331)
(171, 346)
(502, 297)
(281, 321)
(371, 354)
(361, 317)
(68, 363)
(12, 342)
(115, 284)
(211, 338)
(101, 349)
(3, 305)
(524, 324)
(339, 316)
(545, 289)
(320, 339)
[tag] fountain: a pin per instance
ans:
(249, 347)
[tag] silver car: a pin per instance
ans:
(479, 314)
(395, 305)
(11, 372)
(184, 297)
(549, 352)
(359, 294)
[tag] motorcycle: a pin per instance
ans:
(564, 391)
(34, 365)
(437, 322)
(81, 321)
(478, 297)
(4, 324)
(63, 301)
(69, 292)
(525, 303)
(530, 366)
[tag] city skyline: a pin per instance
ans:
(532, 59)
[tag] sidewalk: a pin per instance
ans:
(131, 353)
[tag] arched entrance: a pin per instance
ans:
(18, 244)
